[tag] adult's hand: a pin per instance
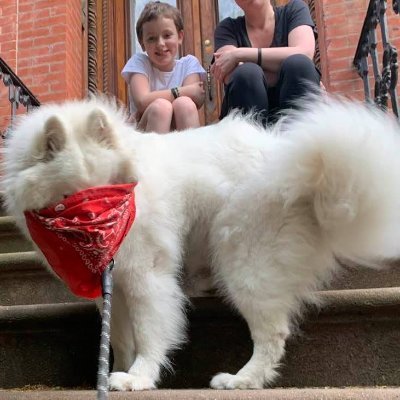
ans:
(224, 63)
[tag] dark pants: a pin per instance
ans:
(248, 90)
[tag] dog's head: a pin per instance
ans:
(60, 149)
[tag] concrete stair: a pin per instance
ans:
(24, 280)
(270, 394)
(348, 349)
(10, 238)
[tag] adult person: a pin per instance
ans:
(265, 57)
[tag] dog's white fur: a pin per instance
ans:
(276, 206)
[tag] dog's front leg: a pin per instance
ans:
(156, 311)
(121, 332)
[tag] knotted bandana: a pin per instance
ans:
(80, 235)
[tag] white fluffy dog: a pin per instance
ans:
(278, 207)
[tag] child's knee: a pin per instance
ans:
(160, 108)
(184, 105)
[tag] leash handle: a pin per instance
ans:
(104, 351)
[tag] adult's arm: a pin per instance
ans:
(301, 40)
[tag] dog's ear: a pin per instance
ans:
(100, 129)
(51, 141)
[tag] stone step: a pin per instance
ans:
(354, 340)
(22, 274)
(51, 344)
(366, 278)
(11, 240)
(24, 280)
(3, 211)
(369, 393)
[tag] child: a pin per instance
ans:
(166, 92)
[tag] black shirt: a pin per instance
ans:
(232, 31)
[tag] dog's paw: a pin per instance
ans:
(126, 382)
(229, 381)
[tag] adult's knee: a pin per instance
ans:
(247, 90)
(299, 67)
(247, 75)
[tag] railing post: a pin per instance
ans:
(386, 78)
(18, 93)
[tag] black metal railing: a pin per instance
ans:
(385, 78)
(18, 93)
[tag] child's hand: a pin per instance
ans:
(195, 91)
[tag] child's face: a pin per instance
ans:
(161, 42)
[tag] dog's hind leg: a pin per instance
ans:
(269, 327)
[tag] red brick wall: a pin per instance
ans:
(49, 48)
(41, 40)
(8, 34)
(8, 51)
(74, 46)
(340, 23)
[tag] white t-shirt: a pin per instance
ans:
(160, 80)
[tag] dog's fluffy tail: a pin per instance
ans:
(345, 158)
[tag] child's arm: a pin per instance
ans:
(193, 87)
(141, 94)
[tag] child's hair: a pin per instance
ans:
(155, 9)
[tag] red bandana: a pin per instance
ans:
(80, 235)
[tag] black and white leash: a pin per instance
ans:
(104, 351)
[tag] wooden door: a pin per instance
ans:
(200, 18)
